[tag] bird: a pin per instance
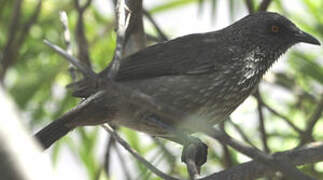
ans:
(204, 75)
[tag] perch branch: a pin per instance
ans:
(125, 145)
(275, 163)
(254, 169)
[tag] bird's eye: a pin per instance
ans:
(275, 28)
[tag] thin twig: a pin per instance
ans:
(67, 34)
(31, 21)
(82, 43)
(87, 72)
(169, 156)
(15, 39)
(311, 122)
(250, 6)
(123, 18)
(241, 133)
(264, 5)
(9, 52)
(315, 116)
(161, 34)
(67, 39)
(84, 7)
(254, 169)
(107, 156)
(274, 162)
(283, 117)
(125, 145)
(262, 129)
(226, 160)
(122, 162)
(152, 38)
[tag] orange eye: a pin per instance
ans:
(275, 28)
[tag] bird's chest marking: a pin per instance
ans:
(253, 66)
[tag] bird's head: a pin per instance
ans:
(272, 31)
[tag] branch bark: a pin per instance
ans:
(250, 6)
(82, 43)
(274, 162)
(262, 129)
(264, 5)
(9, 51)
(254, 169)
(125, 145)
(311, 122)
(16, 36)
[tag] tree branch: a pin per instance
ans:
(171, 159)
(264, 5)
(67, 39)
(16, 37)
(106, 163)
(123, 18)
(122, 161)
(277, 163)
(162, 36)
(82, 43)
(135, 35)
(87, 72)
(253, 169)
(241, 133)
(9, 51)
(31, 21)
(250, 6)
(261, 118)
(285, 118)
(125, 145)
(308, 134)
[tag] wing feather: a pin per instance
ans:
(186, 55)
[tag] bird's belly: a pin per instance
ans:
(206, 99)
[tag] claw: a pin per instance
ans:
(194, 155)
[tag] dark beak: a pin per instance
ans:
(302, 36)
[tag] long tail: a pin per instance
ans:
(95, 110)
(53, 132)
(86, 87)
(83, 88)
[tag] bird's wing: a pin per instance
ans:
(185, 55)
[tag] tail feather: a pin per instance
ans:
(52, 132)
(83, 88)
(86, 87)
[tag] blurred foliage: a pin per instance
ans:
(36, 82)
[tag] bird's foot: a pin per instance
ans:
(194, 155)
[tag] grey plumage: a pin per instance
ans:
(205, 75)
